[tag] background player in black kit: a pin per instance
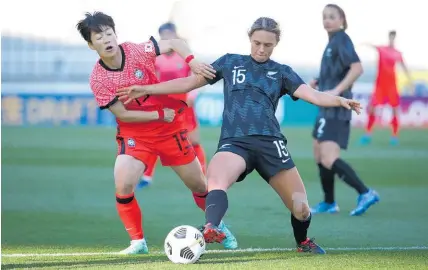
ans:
(340, 68)
(250, 135)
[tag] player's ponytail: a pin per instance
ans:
(266, 24)
(341, 14)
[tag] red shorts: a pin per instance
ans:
(173, 150)
(385, 93)
(190, 120)
(391, 98)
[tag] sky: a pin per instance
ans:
(220, 26)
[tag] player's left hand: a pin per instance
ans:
(351, 104)
(202, 69)
(128, 94)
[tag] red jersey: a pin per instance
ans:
(170, 67)
(138, 68)
(388, 57)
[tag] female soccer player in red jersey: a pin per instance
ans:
(386, 91)
(147, 127)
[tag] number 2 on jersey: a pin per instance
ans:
(320, 129)
(238, 76)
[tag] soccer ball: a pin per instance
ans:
(184, 244)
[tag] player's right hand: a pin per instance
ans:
(168, 115)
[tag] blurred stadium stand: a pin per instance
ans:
(36, 60)
(40, 60)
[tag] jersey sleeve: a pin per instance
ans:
(290, 82)
(218, 66)
(149, 49)
(347, 53)
(105, 97)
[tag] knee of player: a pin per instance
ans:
(200, 188)
(303, 213)
(300, 210)
(199, 185)
(217, 183)
(327, 159)
(124, 188)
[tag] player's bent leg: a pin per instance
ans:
(194, 138)
(289, 186)
(329, 152)
(330, 157)
(147, 177)
(224, 169)
(192, 176)
(127, 171)
(327, 184)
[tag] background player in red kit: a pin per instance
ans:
(386, 91)
(148, 126)
(172, 66)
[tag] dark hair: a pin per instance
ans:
(94, 23)
(266, 24)
(167, 26)
(341, 13)
(392, 33)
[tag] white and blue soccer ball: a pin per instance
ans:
(184, 244)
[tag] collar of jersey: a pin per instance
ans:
(335, 33)
(122, 65)
(259, 63)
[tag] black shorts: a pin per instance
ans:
(332, 130)
(268, 155)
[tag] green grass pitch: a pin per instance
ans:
(58, 206)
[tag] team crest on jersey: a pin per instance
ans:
(138, 73)
(179, 65)
(148, 47)
(131, 142)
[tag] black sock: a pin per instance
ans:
(345, 171)
(300, 228)
(216, 206)
(327, 183)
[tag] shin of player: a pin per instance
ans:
(332, 128)
(127, 171)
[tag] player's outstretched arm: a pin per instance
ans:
(125, 115)
(324, 99)
(181, 85)
(180, 46)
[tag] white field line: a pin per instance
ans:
(249, 250)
